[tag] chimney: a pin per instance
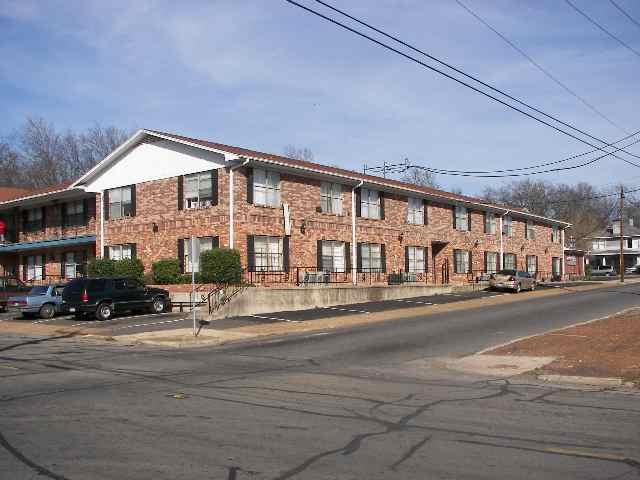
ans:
(616, 227)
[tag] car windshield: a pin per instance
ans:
(39, 290)
(507, 272)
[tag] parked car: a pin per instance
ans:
(42, 300)
(632, 270)
(102, 297)
(10, 286)
(603, 271)
(515, 280)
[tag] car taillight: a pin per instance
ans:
(21, 302)
(512, 278)
(84, 297)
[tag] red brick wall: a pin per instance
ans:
(54, 227)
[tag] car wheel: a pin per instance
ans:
(47, 311)
(159, 305)
(104, 311)
(533, 286)
(518, 288)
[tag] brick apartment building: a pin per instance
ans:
(291, 220)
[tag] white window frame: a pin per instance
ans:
(462, 218)
(415, 211)
(416, 259)
(461, 261)
(555, 234)
(555, 261)
(529, 230)
(120, 252)
(600, 244)
(370, 203)
(490, 223)
(35, 268)
(331, 198)
(504, 261)
(194, 195)
(268, 253)
(266, 187)
(491, 266)
(371, 257)
(119, 199)
(532, 269)
(70, 265)
(507, 225)
(333, 256)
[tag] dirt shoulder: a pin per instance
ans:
(605, 348)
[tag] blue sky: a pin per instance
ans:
(263, 74)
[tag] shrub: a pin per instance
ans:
(220, 265)
(166, 272)
(129, 267)
(102, 267)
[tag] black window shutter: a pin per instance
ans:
(470, 268)
(425, 208)
(406, 259)
(105, 253)
(250, 185)
(133, 200)
(536, 265)
(85, 209)
(426, 259)
(214, 186)
(181, 192)
(486, 264)
(285, 254)
(63, 214)
(319, 254)
(25, 219)
(105, 201)
(454, 217)
(468, 219)
(24, 268)
(358, 203)
(181, 254)
(62, 265)
(381, 205)
(515, 261)
(134, 251)
(44, 266)
(215, 242)
(347, 254)
(484, 221)
(251, 259)
(44, 218)
(359, 257)
(383, 257)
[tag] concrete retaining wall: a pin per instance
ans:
(256, 300)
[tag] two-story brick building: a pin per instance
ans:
(291, 220)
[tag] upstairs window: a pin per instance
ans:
(530, 232)
(198, 190)
(490, 223)
(33, 220)
(461, 218)
(599, 244)
(415, 211)
(369, 203)
(120, 202)
(507, 227)
(74, 213)
(331, 198)
(266, 187)
(555, 234)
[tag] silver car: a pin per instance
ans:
(42, 300)
(515, 280)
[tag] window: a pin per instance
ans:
(371, 257)
(555, 234)
(509, 261)
(331, 198)
(532, 264)
(74, 213)
(461, 263)
(120, 252)
(266, 187)
(369, 203)
(333, 256)
(415, 259)
(268, 254)
(415, 211)
(461, 218)
(201, 244)
(491, 262)
(198, 190)
(33, 220)
(35, 268)
(71, 265)
(555, 266)
(599, 244)
(489, 222)
(507, 226)
(530, 232)
(120, 203)
(629, 243)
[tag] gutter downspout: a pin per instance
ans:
(101, 253)
(563, 249)
(506, 212)
(231, 202)
(354, 245)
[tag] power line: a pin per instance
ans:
(625, 13)
(621, 42)
(540, 67)
(451, 77)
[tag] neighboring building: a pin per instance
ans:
(291, 220)
(605, 245)
(574, 260)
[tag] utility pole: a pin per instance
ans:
(621, 233)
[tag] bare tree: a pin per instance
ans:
(304, 153)
(420, 176)
(10, 172)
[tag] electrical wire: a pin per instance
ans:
(625, 13)
(457, 70)
(601, 28)
(540, 67)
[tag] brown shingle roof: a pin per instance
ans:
(20, 193)
(9, 193)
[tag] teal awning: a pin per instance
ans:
(38, 245)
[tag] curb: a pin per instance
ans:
(578, 380)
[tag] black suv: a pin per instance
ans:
(103, 297)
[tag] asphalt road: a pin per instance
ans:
(363, 403)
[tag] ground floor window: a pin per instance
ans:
(72, 263)
(200, 244)
(509, 261)
(555, 266)
(332, 256)
(268, 254)
(461, 261)
(35, 267)
(120, 252)
(371, 257)
(532, 264)
(415, 259)
(490, 262)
